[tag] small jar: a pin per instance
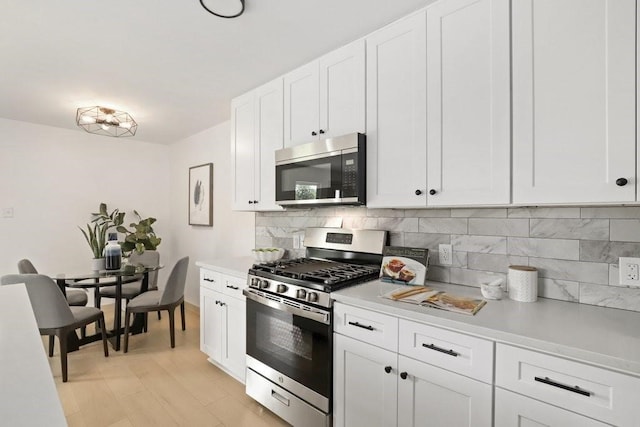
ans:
(113, 253)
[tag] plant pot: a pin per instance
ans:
(97, 264)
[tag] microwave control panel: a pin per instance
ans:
(350, 175)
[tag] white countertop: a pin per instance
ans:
(601, 336)
(235, 266)
(28, 395)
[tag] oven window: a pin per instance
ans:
(295, 346)
(310, 180)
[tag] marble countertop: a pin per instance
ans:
(602, 336)
(28, 396)
(235, 266)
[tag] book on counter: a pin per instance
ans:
(428, 297)
(404, 266)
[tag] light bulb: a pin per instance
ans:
(125, 125)
(108, 118)
(104, 126)
(87, 119)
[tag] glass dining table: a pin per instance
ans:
(100, 278)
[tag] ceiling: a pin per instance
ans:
(170, 64)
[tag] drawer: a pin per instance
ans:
(460, 353)
(233, 286)
(592, 391)
(210, 279)
(365, 325)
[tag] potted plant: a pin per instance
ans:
(141, 237)
(96, 232)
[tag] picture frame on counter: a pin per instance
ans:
(201, 195)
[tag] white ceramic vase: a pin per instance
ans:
(97, 264)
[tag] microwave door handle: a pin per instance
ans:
(318, 317)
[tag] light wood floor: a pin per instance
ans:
(154, 385)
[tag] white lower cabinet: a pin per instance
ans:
(365, 384)
(223, 325)
(431, 396)
(515, 410)
(376, 386)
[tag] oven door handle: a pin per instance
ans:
(318, 317)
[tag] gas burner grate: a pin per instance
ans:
(319, 271)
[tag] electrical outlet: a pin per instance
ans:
(298, 240)
(446, 254)
(629, 271)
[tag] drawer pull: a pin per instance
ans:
(235, 288)
(441, 350)
(574, 389)
(403, 375)
(206, 279)
(387, 369)
(360, 325)
(280, 398)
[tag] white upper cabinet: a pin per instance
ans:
(243, 151)
(325, 98)
(468, 103)
(256, 132)
(396, 114)
(574, 88)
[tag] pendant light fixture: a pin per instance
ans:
(106, 121)
(224, 8)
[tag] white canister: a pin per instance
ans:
(523, 283)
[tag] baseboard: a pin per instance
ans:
(192, 308)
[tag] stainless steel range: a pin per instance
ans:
(290, 321)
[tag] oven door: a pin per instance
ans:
(317, 179)
(292, 341)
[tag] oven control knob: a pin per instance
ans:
(301, 294)
(264, 284)
(313, 297)
(281, 289)
(255, 282)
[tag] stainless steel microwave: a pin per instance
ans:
(328, 172)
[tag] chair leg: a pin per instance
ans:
(159, 315)
(127, 314)
(62, 337)
(97, 299)
(145, 327)
(51, 344)
(83, 332)
(103, 330)
(172, 331)
(184, 325)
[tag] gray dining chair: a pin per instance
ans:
(168, 299)
(53, 315)
(133, 289)
(75, 297)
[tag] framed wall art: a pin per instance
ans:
(201, 195)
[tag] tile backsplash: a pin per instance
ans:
(575, 249)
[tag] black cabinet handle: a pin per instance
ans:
(621, 182)
(235, 288)
(441, 350)
(255, 202)
(313, 133)
(250, 202)
(206, 279)
(418, 192)
(432, 191)
(222, 304)
(574, 389)
(321, 131)
(403, 375)
(360, 325)
(217, 302)
(387, 369)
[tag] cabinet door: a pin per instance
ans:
(210, 324)
(342, 91)
(365, 394)
(468, 110)
(268, 139)
(234, 339)
(514, 410)
(435, 397)
(573, 100)
(242, 151)
(301, 105)
(396, 114)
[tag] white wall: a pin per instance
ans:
(233, 233)
(54, 178)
